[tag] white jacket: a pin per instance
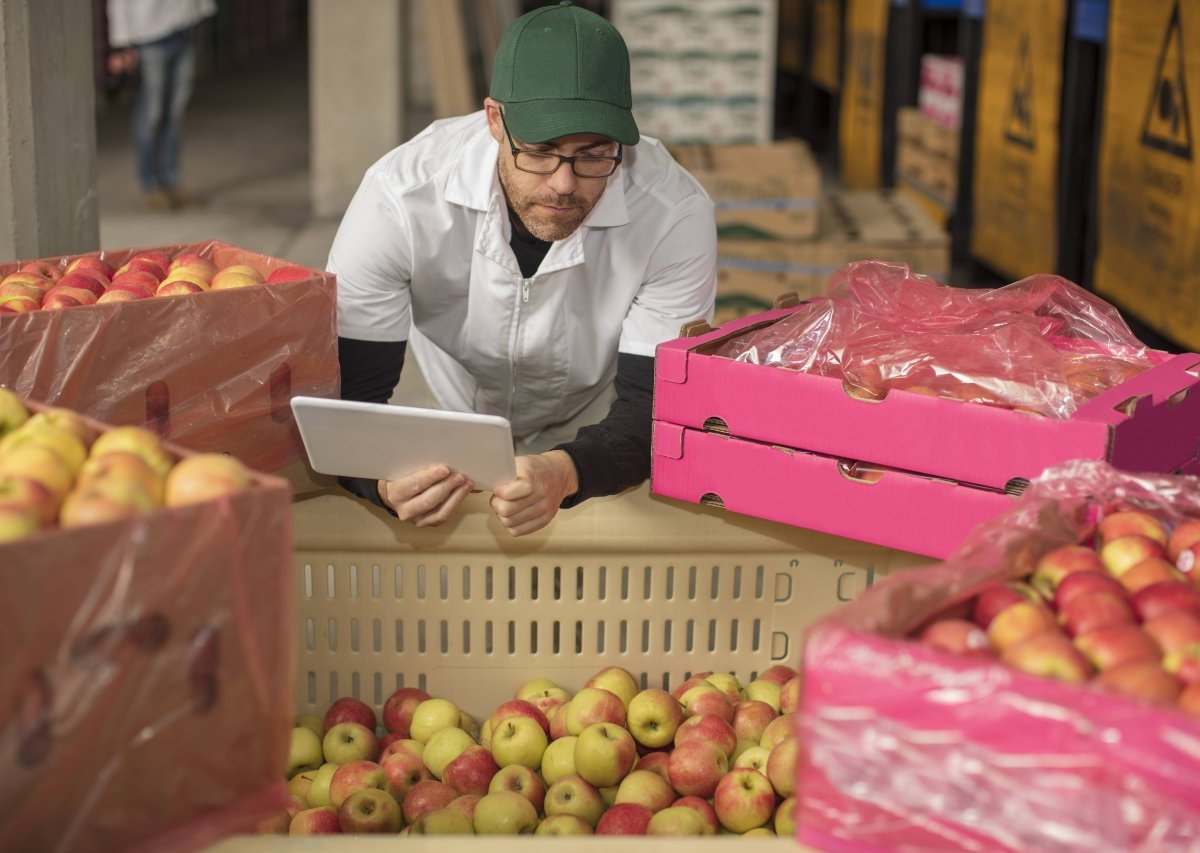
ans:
(423, 254)
(133, 22)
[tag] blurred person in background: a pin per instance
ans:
(154, 38)
(535, 253)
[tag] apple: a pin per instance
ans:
(444, 821)
(1189, 700)
(593, 705)
(158, 258)
(558, 723)
(136, 440)
(82, 282)
(653, 717)
(1097, 609)
(289, 273)
(608, 795)
(539, 687)
(779, 673)
(1131, 523)
(1050, 656)
(744, 799)
(322, 820)
(678, 821)
(425, 797)
(505, 813)
(42, 268)
(406, 745)
(1185, 535)
(39, 464)
(1184, 663)
(67, 297)
(318, 791)
(370, 811)
(12, 411)
(465, 804)
(122, 294)
(1061, 562)
(16, 304)
(993, 599)
(347, 709)
(404, 769)
(84, 507)
(1149, 572)
(41, 282)
(558, 761)
(785, 818)
(1121, 555)
(764, 691)
(956, 636)
(1083, 582)
(299, 784)
(1173, 631)
(355, 776)
(304, 752)
(142, 281)
(348, 742)
(520, 780)
(604, 754)
(703, 808)
(624, 819)
(710, 728)
(759, 832)
(19, 494)
(574, 795)
(646, 788)
(239, 269)
(563, 824)
(445, 746)
(1117, 644)
(616, 680)
(1165, 597)
(431, 716)
(687, 684)
(781, 766)
(727, 683)
(122, 466)
(23, 289)
(192, 260)
(519, 740)
(1187, 560)
(177, 287)
(399, 707)
(549, 704)
(755, 757)
(707, 699)
(781, 727)
(1019, 622)
(387, 740)
(144, 264)
(1141, 679)
(655, 762)
(472, 771)
(751, 718)
(520, 707)
(184, 274)
(91, 262)
(696, 766)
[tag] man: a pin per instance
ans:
(533, 255)
(155, 36)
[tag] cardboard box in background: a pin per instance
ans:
(768, 192)
(1149, 201)
(1017, 141)
(860, 127)
(940, 93)
(927, 160)
(855, 226)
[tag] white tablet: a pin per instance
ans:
(385, 442)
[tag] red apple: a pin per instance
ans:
(23, 289)
(206, 477)
(998, 597)
(1189, 700)
(67, 297)
(1131, 523)
(399, 707)
(43, 268)
(1019, 622)
(1184, 663)
(1174, 630)
(1187, 560)
(521, 708)
(349, 710)
(143, 264)
(404, 769)
(31, 278)
(698, 701)
(1050, 656)
(142, 280)
(778, 673)
(751, 718)
(593, 705)
(1061, 562)
(655, 762)
(709, 728)
(1117, 644)
(195, 261)
(471, 771)
(744, 799)
(520, 780)
(1091, 610)
(624, 819)
(695, 767)
(1141, 679)
(789, 696)
(1084, 582)
(703, 808)
(318, 821)
(83, 282)
(689, 683)
(94, 263)
(1148, 572)
(289, 273)
(14, 304)
(1121, 555)
(121, 295)
(1165, 597)
(1185, 534)
(425, 797)
(370, 811)
(355, 776)
(956, 636)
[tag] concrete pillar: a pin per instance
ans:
(48, 203)
(356, 93)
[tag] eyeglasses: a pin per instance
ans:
(547, 163)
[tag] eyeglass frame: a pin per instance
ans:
(512, 145)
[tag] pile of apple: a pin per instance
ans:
(1120, 610)
(89, 280)
(711, 756)
(56, 471)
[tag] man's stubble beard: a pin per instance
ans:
(537, 224)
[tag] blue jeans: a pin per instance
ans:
(167, 67)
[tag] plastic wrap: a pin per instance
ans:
(214, 372)
(146, 672)
(1042, 345)
(907, 748)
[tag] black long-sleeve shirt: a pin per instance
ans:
(610, 456)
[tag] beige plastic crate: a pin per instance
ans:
(466, 612)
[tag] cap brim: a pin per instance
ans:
(540, 121)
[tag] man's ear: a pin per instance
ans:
(492, 109)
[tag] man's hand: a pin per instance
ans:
(122, 62)
(427, 498)
(530, 502)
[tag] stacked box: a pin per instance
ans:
(147, 673)
(927, 157)
(702, 71)
(853, 225)
(908, 471)
(940, 93)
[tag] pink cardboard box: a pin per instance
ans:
(895, 509)
(1150, 423)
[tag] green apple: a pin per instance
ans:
(299, 784)
(593, 705)
(370, 810)
(609, 795)
(765, 691)
(311, 721)
(744, 800)
(755, 758)
(677, 821)
(604, 754)
(653, 717)
(779, 729)
(304, 752)
(781, 766)
(645, 788)
(433, 715)
(558, 761)
(505, 813)
(617, 681)
(785, 818)
(518, 740)
(318, 791)
(758, 832)
(727, 684)
(535, 687)
(445, 746)
(575, 796)
(740, 749)
(356, 776)
(12, 411)
(348, 742)
(563, 824)
(444, 821)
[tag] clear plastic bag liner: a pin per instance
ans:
(1042, 344)
(146, 673)
(214, 371)
(907, 748)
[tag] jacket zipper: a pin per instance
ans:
(513, 359)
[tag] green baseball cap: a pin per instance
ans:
(562, 70)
